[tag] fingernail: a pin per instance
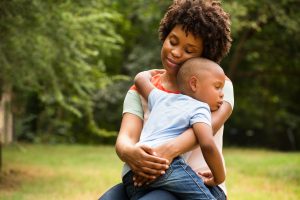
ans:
(162, 172)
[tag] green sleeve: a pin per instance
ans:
(132, 104)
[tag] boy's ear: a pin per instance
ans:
(193, 83)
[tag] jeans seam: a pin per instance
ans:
(194, 180)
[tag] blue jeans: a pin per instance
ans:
(118, 193)
(179, 179)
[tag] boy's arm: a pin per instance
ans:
(210, 152)
(143, 83)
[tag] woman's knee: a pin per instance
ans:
(116, 192)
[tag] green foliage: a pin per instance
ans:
(68, 63)
(57, 50)
(264, 66)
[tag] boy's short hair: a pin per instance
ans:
(194, 67)
(202, 18)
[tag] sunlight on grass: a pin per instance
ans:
(58, 172)
(261, 174)
(63, 172)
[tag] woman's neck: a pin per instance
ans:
(169, 82)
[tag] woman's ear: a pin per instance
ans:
(193, 83)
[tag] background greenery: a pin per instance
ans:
(69, 64)
(85, 172)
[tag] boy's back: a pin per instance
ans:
(170, 115)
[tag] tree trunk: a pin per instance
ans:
(6, 120)
(6, 117)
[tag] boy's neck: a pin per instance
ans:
(169, 82)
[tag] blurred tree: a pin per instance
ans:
(141, 51)
(264, 66)
(62, 61)
(53, 52)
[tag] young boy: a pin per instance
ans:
(200, 81)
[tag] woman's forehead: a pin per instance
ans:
(189, 37)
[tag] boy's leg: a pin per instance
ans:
(182, 181)
(217, 192)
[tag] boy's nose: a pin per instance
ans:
(222, 94)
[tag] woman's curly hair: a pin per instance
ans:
(202, 18)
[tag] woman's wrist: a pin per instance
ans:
(123, 149)
(168, 151)
(174, 149)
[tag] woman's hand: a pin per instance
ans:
(144, 162)
(141, 158)
(163, 152)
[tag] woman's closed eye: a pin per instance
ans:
(189, 51)
(173, 41)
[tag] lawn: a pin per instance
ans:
(78, 172)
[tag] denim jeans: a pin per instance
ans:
(118, 193)
(217, 192)
(179, 179)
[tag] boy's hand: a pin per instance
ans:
(207, 178)
(154, 72)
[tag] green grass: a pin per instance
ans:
(64, 172)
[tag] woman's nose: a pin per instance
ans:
(176, 52)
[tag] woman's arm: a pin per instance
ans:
(220, 116)
(140, 158)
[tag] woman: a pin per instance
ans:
(188, 29)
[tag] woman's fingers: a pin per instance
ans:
(150, 170)
(140, 180)
(143, 162)
(150, 155)
(145, 175)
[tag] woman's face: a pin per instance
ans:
(178, 47)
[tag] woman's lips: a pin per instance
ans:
(171, 63)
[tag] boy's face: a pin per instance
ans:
(178, 47)
(210, 88)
